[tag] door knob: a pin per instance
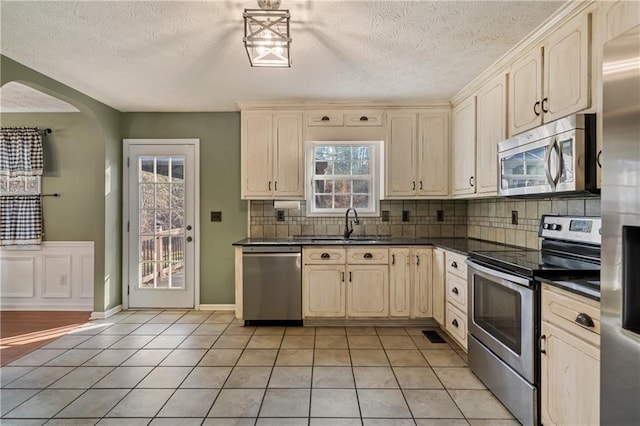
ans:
(189, 228)
(189, 239)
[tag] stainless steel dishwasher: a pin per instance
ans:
(272, 283)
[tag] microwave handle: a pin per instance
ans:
(547, 168)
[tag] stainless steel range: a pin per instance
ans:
(504, 318)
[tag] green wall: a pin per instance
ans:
(104, 209)
(68, 169)
(219, 135)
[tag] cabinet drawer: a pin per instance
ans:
(457, 292)
(457, 325)
(323, 255)
(571, 312)
(325, 118)
(366, 255)
(456, 264)
(365, 118)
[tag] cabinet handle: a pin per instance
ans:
(471, 181)
(454, 265)
(342, 275)
(542, 105)
(598, 158)
(364, 118)
(421, 187)
(349, 276)
(325, 256)
(455, 323)
(269, 185)
(542, 338)
(417, 260)
(454, 290)
(325, 118)
(585, 320)
(536, 109)
(413, 185)
(393, 259)
(275, 185)
(368, 256)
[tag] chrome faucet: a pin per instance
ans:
(347, 231)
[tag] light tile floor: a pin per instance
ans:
(203, 368)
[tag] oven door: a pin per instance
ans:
(551, 164)
(503, 316)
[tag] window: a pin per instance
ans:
(343, 175)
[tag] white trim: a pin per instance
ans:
(18, 306)
(106, 314)
(217, 307)
(125, 212)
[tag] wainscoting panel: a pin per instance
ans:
(58, 275)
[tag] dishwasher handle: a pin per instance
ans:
(275, 249)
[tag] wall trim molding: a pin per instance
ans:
(217, 307)
(17, 306)
(106, 314)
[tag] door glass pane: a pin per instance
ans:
(161, 233)
(497, 310)
(524, 169)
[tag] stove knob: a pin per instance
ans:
(556, 227)
(546, 226)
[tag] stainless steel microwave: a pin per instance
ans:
(555, 158)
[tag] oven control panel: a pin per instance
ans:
(583, 229)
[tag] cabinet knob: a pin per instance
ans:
(325, 256)
(364, 118)
(421, 187)
(417, 260)
(455, 323)
(349, 276)
(536, 109)
(454, 265)
(471, 181)
(368, 256)
(598, 157)
(325, 118)
(454, 290)
(275, 185)
(342, 275)
(542, 338)
(413, 185)
(543, 105)
(269, 185)
(393, 259)
(585, 320)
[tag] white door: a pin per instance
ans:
(161, 229)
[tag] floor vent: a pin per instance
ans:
(433, 336)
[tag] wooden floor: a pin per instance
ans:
(23, 331)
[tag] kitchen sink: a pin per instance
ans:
(354, 240)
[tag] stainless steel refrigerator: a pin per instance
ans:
(620, 276)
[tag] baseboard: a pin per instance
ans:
(218, 307)
(107, 313)
(70, 307)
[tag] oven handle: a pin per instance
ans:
(494, 273)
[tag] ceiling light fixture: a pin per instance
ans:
(266, 35)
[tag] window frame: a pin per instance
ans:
(375, 175)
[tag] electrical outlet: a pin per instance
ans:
(385, 215)
(216, 216)
(405, 215)
(440, 215)
(514, 217)
(280, 216)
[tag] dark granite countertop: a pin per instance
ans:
(589, 288)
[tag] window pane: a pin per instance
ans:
(342, 153)
(146, 169)
(162, 169)
(360, 168)
(342, 186)
(342, 168)
(162, 220)
(177, 195)
(177, 169)
(360, 186)
(360, 201)
(147, 195)
(324, 153)
(324, 186)
(342, 201)
(324, 201)
(361, 152)
(162, 195)
(147, 221)
(177, 219)
(323, 168)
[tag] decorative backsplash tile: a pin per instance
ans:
(486, 219)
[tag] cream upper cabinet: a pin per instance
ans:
(423, 283)
(438, 275)
(272, 155)
(400, 271)
(552, 81)
(417, 154)
(368, 291)
(491, 124)
(463, 153)
(570, 361)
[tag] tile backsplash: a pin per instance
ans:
(486, 219)
(422, 221)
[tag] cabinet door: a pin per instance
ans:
(463, 147)
(491, 128)
(289, 156)
(525, 90)
(323, 291)
(422, 283)
(438, 277)
(433, 154)
(368, 291)
(400, 282)
(401, 155)
(257, 152)
(570, 379)
(567, 69)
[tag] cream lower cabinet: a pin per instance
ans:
(570, 360)
(438, 280)
(410, 282)
(456, 297)
(368, 291)
(324, 291)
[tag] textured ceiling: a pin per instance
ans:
(16, 97)
(188, 55)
